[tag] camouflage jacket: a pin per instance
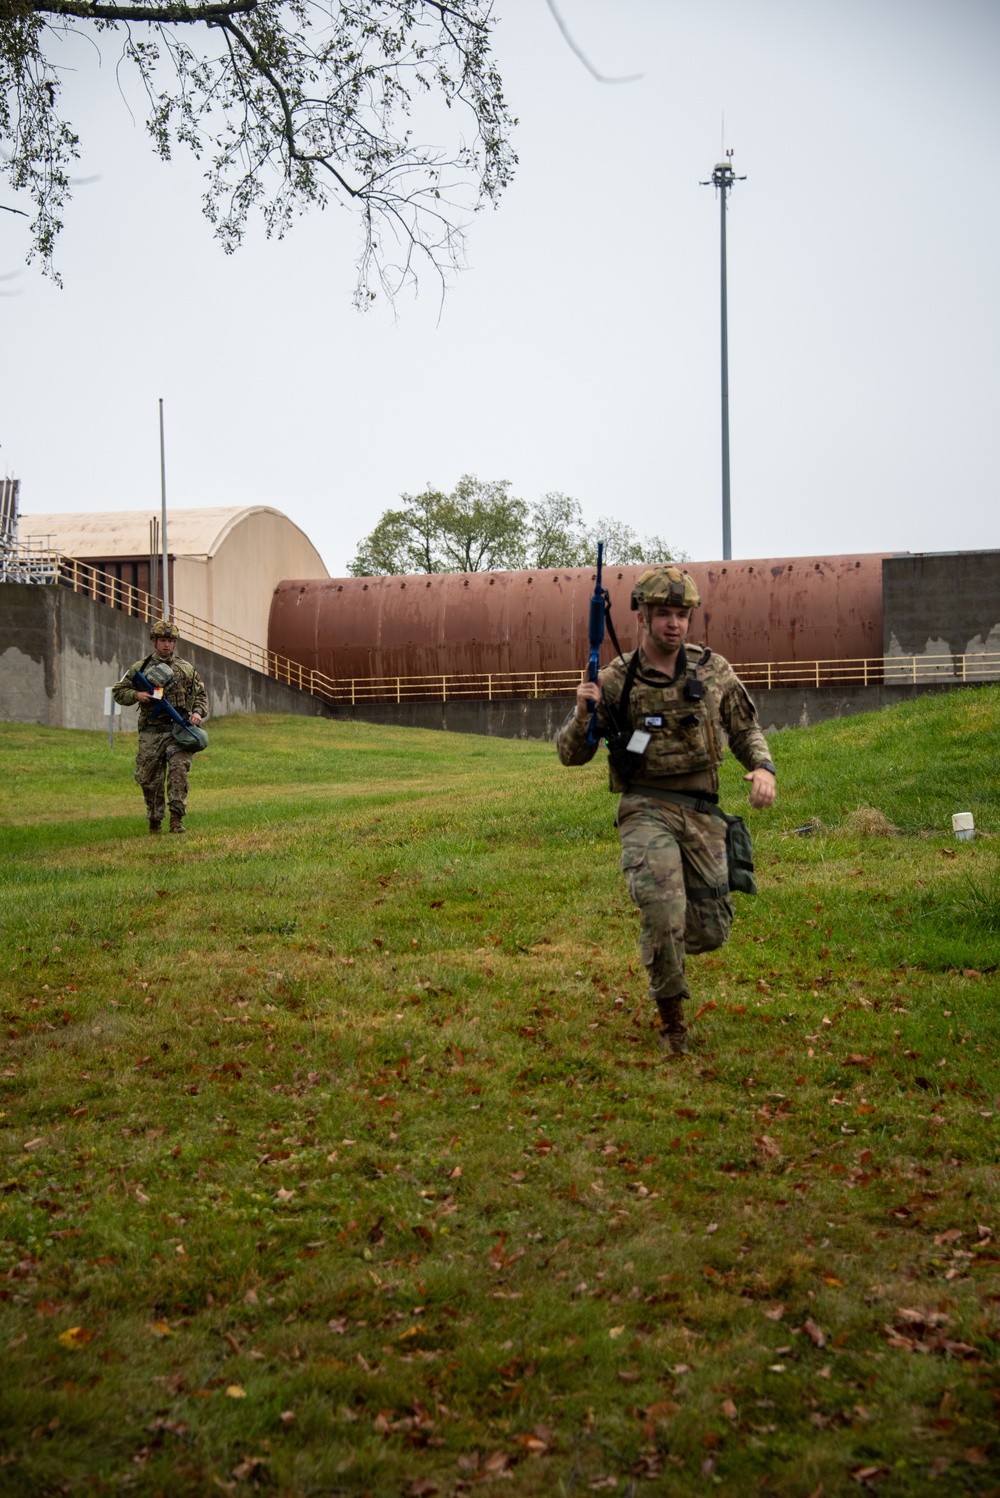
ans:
(687, 735)
(186, 692)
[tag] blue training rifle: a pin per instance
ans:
(598, 605)
(160, 704)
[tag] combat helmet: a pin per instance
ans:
(666, 585)
(162, 629)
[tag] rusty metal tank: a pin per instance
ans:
(787, 609)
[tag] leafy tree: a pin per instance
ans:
(479, 527)
(294, 103)
(558, 538)
(623, 546)
(482, 527)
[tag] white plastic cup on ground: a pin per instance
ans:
(963, 826)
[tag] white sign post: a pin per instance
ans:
(112, 709)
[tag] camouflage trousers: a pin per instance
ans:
(162, 775)
(674, 862)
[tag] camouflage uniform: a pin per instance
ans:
(160, 758)
(674, 857)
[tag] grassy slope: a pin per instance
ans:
(349, 1101)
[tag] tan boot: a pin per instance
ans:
(176, 824)
(673, 1031)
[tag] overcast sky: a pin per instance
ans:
(580, 349)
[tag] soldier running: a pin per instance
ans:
(667, 710)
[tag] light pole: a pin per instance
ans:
(163, 521)
(722, 179)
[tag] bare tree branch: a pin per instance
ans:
(577, 52)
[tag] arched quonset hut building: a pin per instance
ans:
(790, 609)
(224, 562)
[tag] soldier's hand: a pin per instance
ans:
(762, 788)
(196, 719)
(586, 693)
(144, 696)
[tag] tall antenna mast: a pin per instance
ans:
(722, 179)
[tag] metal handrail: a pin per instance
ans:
(48, 565)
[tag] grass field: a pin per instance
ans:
(337, 1155)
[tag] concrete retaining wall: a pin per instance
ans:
(940, 606)
(60, 650)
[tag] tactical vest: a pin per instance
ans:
(179, 693)
(681, 718)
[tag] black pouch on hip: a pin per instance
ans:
(739, 855)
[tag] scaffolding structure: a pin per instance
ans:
(34, 561)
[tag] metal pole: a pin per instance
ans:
(727, 540)
(722, 179)
(163, 521)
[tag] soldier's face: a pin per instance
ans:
(668, 625)
(164, 647)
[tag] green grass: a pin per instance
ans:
(337, 1155)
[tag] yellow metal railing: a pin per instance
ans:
(891, 670)
(914, 670)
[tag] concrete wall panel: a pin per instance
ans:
(61, 650)
(940, 606)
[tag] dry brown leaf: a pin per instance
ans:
(815, 1333)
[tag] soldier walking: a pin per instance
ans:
(667, 711)
(162, 764)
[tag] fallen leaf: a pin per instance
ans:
(815, 1334)
(235, 1392)
(161, 1329)
(711, 1004)
(615, 1331)
(774, 1313)
(729, 1409)
(76, 1336)
(662, 1410)
(287, 1417)
(768, 1146)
